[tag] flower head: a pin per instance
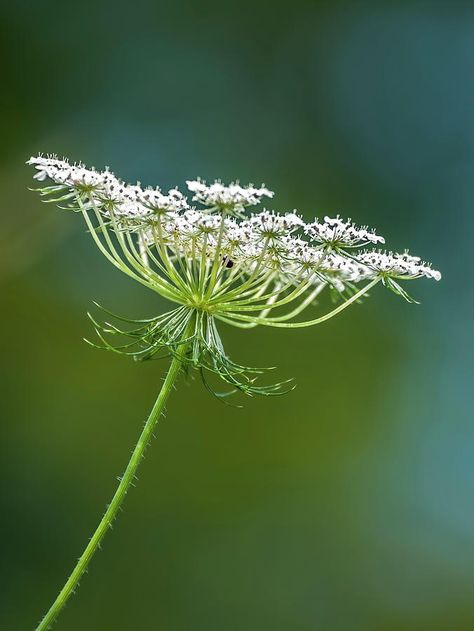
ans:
(336, 232)
(273, 226)
(219, 265)
(232, 198)
(401, 266)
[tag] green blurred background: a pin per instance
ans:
(347, 505)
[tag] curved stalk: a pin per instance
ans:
(210, 278)
(296, 325)
(118, 263)
(246, 305)
(119, 495)
(302, 306)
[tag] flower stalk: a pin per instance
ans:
(117, 500)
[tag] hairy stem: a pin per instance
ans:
(119, 496)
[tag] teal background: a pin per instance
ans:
(347, 505)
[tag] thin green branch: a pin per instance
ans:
(296, 325)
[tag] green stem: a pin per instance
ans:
(231, 317)
(117, 500)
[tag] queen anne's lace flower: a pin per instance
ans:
(61, 172)
(217, 264)
(336, 232)
(126, 200)
(397, 265)
(160, 203)
(271, 225)
(232, 197)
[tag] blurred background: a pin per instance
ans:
(347, 505)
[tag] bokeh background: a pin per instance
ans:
(347, 505)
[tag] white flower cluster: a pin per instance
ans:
(128, 201)
(62, 172)
(220, 262)
(233, 197)
(273, 226)
(260, 243)
(340, 233)
(397, 265)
